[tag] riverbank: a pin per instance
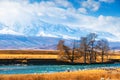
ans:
(94, 74)
(40, 57)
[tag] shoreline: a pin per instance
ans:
(43, 62)
(91, 74)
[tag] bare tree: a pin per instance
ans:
(72, 54)
(67, 52)
(60, 47)
(83, 47)
(87, 45)
(91, 43)
(103, 46)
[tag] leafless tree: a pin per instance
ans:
(72, 54)
(83, 47)
(91, 45)
(103, 46)
(60, 47)
(87, 45)
(67, 52)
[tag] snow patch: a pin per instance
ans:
(8, 31)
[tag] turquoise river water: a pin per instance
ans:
(30, 69)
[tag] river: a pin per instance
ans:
(30, 69)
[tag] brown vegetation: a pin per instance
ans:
(54, 52)
(28, 54)
(115, 55)
(46, 54)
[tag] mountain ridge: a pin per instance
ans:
(52, 30)
(25, 42)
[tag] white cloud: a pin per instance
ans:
(63, 3)
(11, 12)
(91, 4)
(82, 10)
(23, 14)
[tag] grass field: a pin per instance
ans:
(76, 75)
(114, 56)
(54, 52)
(42, 54)
(28, 54)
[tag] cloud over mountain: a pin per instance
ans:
(30, 18)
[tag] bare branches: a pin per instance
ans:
(103, 46)
(89, 48)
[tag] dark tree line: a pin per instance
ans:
(89, 48)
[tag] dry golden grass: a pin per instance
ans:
(114, 56)
(28, 54)
(45, 54)
(76, 75)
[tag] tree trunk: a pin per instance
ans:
(90, 57)
(91, 54)
(72, 59)
(102, 56)
(95, 56)
(85, 57)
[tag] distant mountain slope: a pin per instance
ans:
(46, 35)
(45, 29)
(22, 42)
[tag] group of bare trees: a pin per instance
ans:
(88, 48)
(66, 52)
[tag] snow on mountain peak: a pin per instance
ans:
(45, 29)
(8, 31)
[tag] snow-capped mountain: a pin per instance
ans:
(8, 31)
(45, 29)
(43, 35)
(23, 42)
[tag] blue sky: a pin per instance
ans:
(106, 8)
(98, 15)
(109, 9)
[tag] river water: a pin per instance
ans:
(30, 69)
